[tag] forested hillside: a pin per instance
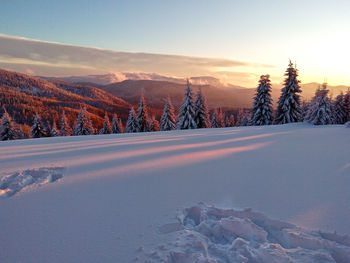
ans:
(24, 96)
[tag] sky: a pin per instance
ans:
(257, 37)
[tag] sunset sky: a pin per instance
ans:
(236, 41)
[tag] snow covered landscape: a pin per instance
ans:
(174, 131)
(277, 193)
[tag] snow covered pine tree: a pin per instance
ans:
(142, 116)
(201, 114)
(131, 124)
(7, 131)
(214, 119)
(288, 109)
(220, 117)
(217, 119)
(262, 109)
(339, 110)
(153, 124)
(347, 105)
(168, 119)
(320, 111)
(53, 131)
(46, 128)
(186, 114)
(116, 124)
(243, 117)
(83, 125)
(106, 129)
(229, 121)
(65, 129)
(37, 130)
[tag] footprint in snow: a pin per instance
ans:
(12, 183)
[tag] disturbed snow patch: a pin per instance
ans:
(212, 235)
(10, 184)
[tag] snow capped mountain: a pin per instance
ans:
(96, 79)
(121, 76)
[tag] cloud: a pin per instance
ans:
(249, 79)
(30, 71)
(56, 59)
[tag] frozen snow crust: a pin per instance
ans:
(207, 234)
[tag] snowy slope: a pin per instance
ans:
(117, 198)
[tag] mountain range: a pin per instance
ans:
(155, 87)
(110, 78)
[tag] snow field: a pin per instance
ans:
(119, 195)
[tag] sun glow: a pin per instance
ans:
(323, 55)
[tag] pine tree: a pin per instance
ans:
(214, 120)
(131, 124)
(201, 114)
(153, 124)
(239, 118)
(320, 112)
(186, 114)
(340, 111)
(65, 129)
(347, 105)
(37, 130)
(7, 130)
(83, 124)
(220, 118)
(106, 129)
(18, 131)
(305, 105)
(53, 131)
(46, 129)
(116, 124)
(142, 116)
(227, 121)
(243, 117)
(245, 120)
(168, 119)
(262, 109)
(120, 125)
(230, 121)
(288, 109)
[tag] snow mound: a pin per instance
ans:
(12, 183)
(206, 234)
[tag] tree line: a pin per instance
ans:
(194, 113)
(321, 110)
